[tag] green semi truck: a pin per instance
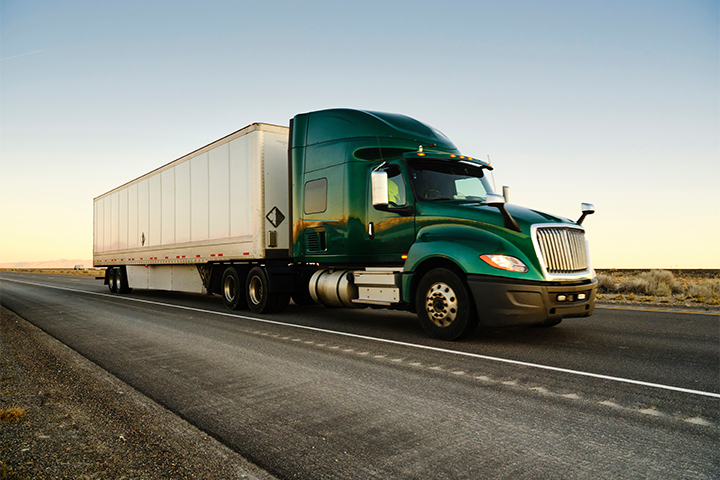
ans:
(345, 208)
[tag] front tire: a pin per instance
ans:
(444, 306)
(258, 295)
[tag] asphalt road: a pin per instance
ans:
(323, 393)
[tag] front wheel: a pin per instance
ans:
(258, 295)
(444, 306)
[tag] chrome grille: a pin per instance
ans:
(563, 249)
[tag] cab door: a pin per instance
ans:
(390, 232)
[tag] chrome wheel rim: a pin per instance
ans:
(441, 304)
(255, 289)
(229, 289)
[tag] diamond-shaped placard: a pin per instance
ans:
(275, 216)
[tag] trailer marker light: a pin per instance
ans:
(420, 154)
(404, 257)
(212, 254)
(220, 254)
(452, 155)
(197, 256)
(246, 253)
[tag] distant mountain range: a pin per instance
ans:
(62, 263)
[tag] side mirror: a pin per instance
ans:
(506, 193)
(586, 209)
(379, 181)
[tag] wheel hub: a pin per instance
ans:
(229, 288)
(441, 304)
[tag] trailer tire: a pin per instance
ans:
(112, 282)
(232, 289)
(121, 283)
(259, 297)
(444, 306)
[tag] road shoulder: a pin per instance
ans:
(79, 421)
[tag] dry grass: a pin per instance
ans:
(663, 286)
(12, 413)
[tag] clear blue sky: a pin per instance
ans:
(613, 103)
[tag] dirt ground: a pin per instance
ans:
(63, 417)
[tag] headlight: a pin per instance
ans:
(505, 262)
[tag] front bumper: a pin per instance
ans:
(503, 302)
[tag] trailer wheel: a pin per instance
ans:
(259, 298)
(444, 306)
(233, 289)
(112, 283)
(121, 284)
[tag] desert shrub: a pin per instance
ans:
(14, 413)
(660, 283)
(606, 284)
(707, 290)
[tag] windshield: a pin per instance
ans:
(435, 180)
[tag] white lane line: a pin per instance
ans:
(391, 342)
(603, 307)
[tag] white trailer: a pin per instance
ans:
(226, 201)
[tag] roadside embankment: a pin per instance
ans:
(698, 289)
(63, 417)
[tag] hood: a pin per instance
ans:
(525, 217)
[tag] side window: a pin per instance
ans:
(316, 196)
(396, 187)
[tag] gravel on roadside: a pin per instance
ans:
(64, 417)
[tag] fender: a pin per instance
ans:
(463, 245)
